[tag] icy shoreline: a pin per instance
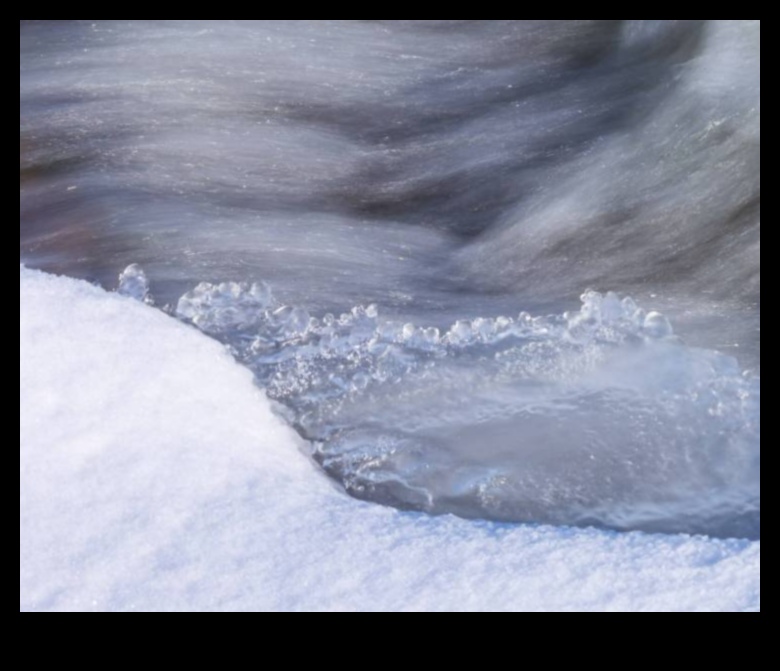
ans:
(154, 476)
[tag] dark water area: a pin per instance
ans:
(443, 172)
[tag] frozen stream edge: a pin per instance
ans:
(154, 476)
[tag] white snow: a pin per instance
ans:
(153, 475)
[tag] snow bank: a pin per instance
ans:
(153, 475)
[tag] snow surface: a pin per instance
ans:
(153, 475)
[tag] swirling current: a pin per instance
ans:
(500, 269)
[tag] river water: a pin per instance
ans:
(502, 269)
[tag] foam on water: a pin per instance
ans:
(600, 416)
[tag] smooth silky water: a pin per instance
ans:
(505, 270)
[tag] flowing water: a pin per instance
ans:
(507, 270)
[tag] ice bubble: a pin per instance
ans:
(657, 326)
(133, 283)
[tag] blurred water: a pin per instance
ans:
(444, 171)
